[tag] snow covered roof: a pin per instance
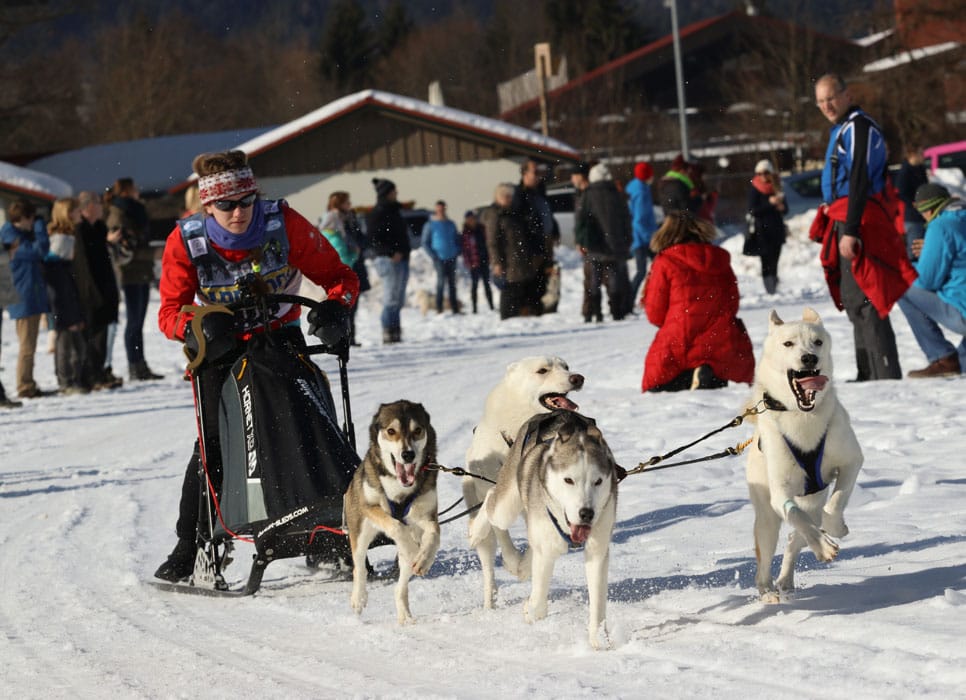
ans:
(31, 183)
(154, 163)
(412, 107)
(873, 39)
(909, 56)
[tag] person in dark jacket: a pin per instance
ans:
(25, 239)
(603, 235)
(766, 205)
(128, 214)
(389, 237)
(676, 188)
(97, 287)
(70, 360)
(476, 258)
(691, 295)
(911, 176)
(530, 205)
(513, 260)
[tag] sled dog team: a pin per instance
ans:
(553, 466)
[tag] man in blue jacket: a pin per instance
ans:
(938, 297)
(443, 243)
(24, 236)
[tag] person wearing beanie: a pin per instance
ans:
(640, 202)
(389, 236)
(476, 257)
(766, 212)
(938, 297)
(238, 236)
(602, 230)
(864, 258)
(911, 176)
(676, 188)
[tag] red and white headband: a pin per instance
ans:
(226, 184)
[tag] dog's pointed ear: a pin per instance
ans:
(566, 431)
(810, 315)
(774, 319)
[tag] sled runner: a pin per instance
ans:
(285, 460)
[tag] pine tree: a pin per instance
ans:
(395, 27)
(347, 46)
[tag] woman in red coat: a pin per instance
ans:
(691, 294)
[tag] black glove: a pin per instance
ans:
(329, 322)
(219, 331)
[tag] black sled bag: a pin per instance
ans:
(286, 462)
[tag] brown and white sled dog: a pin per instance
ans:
(533, 385)
(561, 475)
(803, 442)
(392, 493)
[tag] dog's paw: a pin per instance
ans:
(600, 638)
(405, 618)
(423, 562)
(825, 548)
(834, 524)
(770, 597)
(532, 612)
(358, 600)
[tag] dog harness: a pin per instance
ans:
(399, 511)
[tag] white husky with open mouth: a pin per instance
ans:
(531, 386)
(803, 442)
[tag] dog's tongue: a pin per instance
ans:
(406, 473)
(562, 402)
(816, 383)
(579, 533)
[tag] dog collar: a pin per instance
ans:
(560, 531)
(772, 404)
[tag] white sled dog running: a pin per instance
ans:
(391, 493)
(533, 385)
(802, 443)
(562, 477)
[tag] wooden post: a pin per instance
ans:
(541, 55)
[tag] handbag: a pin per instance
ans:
(752, 246)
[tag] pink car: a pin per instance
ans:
(946, 155)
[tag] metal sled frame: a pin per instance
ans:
(214, 551)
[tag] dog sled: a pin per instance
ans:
(286, 462)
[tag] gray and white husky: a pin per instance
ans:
(803, 442)
(560, 474)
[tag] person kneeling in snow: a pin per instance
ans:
(691, 294)
(938, 296)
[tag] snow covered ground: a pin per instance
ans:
(89, 489)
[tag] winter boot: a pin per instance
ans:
(771, 283)
(140, 371)
(6, 402)
(180, 563)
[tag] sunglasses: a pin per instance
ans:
(232, 204)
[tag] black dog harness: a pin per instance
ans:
(810, 461)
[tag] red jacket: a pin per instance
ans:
(691, 294)
(309, 252)
(881, 269)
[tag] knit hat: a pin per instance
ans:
(227, 183)
(582, 168)
(469, 213)
(599, 173)
(931, 196)
(643, 171)
(383, 186)
(764, 166)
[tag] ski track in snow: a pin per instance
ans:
(89, 489)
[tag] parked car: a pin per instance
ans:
(803, 191)
(946, 155)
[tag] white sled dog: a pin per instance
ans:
(530, 386)
(802, 443)
(562, 476)
(391, 493)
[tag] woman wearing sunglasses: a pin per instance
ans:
(235, 242)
